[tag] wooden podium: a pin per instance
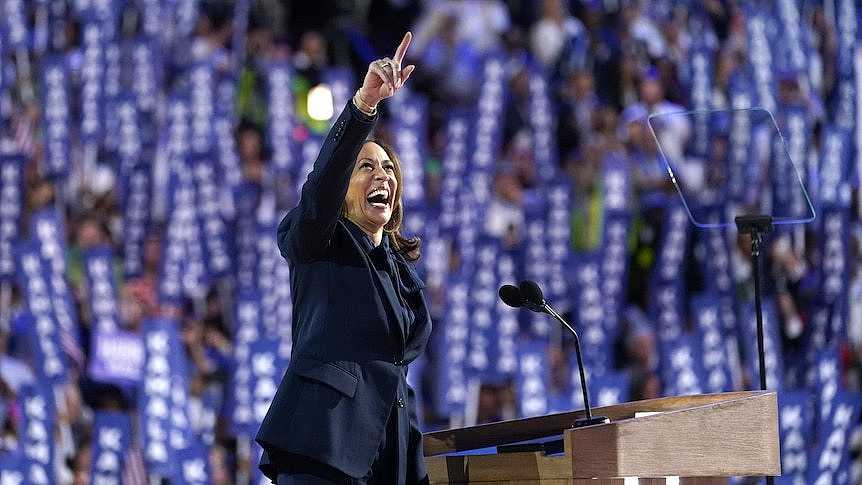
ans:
(703, 439)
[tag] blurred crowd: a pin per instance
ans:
(608, 65)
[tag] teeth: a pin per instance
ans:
(376, 195)
(383, 192)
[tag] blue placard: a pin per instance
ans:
(836, 259)
(558, 235)
(37, 434)
(847, 26)
(835, 150)
(794, 421)
(102, 292)
(246, 197)
(341, 85)
(145, 66)
(487, 136)
(116, 357)
(274, 284)
(13, 469)
(15, 32)
(543, 125)
(716, 264)
(792, 56)
(741, 166)
(829, 462)
(163, 397)
(535, 260)
(136, 203)
(507, 327)
(531, 380)
(482, 353)
(681, 368)
(34, 281)
(213, 231)
(453, 337)
(201, 106)
(589, 311)
(701, 61)
(56, 100)
(112, 436)
(666, 307)
(248, 331)
(617, 222)
(174, 248)
(409, 140)
(47, 228)
(229, 169)
(194, 465)
(281, 115)
(707, 315)
(92, 75)
(454, 164)
(267, 367)
(758, 27)
(607, 389)
(128, 139)
(11, 200)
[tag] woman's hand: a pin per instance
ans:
(384, 78)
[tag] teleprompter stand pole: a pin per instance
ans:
(756, 226)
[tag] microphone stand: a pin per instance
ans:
(756, 226)
(514, 297)
(589, 419)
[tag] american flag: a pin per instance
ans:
(135, 469)
(22, 128)
(72, 348)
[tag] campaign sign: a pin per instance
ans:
(11, 200)
(33, 278)
(37, 434)
(112, 435)
(116, 357)
(56, 100)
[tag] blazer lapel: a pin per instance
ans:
(413, 284)
(389, 297)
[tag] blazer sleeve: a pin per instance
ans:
(307, 228)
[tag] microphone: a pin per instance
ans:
(514, 297)
(511, 295)
(529, 295)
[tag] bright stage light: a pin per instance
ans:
(320, 103)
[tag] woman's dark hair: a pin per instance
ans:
(408, 247)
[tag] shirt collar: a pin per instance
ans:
(360, 235)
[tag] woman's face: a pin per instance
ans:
(373, 186)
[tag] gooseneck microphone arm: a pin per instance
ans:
(587, 408)
(530, 295)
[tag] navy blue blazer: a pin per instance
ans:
(352, 339)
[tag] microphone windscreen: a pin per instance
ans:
(531, 292)
(511, 295)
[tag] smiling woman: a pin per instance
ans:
(372, 191)
(344, 412)
(373, 200)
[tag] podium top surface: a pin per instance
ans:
(709, 435)
(516, 430)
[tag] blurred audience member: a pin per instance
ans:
(557, 37)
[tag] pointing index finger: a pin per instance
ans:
(402, 48)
